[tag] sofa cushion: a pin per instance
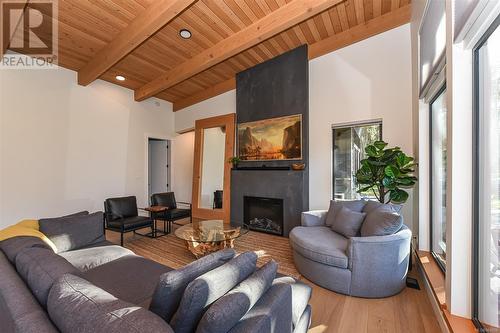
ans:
(12, 246)
(240, 300)
(348, 222)
(336, 205)
(73, 232)
(131, 278)
(371, 205)
(301, 294)
(130, 223)
(40, 268)
(304, 322)
(19, 309)
(208, 288)
(76, 305)
(320, 244)
(169, 291)
(382, 221)
(272, 313)
(95, 255)
(52, 219)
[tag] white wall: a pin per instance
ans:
(66, 147)
(420, 136)
(215, 106)
(367, 80)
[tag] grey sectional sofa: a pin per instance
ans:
(370, 267)
(102, 287)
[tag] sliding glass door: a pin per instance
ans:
(438, 177)
(487, 181)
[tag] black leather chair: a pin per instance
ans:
(121, 215)
(173, 212)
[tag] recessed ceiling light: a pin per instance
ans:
(185, 33)
(120, 78)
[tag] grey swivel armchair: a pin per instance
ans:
(370, 267)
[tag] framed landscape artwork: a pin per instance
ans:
(271, 139)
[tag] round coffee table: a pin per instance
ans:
(205, 237)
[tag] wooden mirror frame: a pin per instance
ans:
(227, 121)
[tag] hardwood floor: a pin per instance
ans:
(408, 312)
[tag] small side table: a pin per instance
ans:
(153, 212)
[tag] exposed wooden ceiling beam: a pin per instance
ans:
(356, 34)
(146, 24)
(263, 29)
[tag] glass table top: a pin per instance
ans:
(210, 231)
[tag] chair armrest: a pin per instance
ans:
(185, 203)
(362, 248)
(314, 218)
(379, 264)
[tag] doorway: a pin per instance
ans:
(158, 166)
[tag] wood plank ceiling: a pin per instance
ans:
(88, 26)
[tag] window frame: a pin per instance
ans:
(431, 197)
(475, 173)
(335, 127)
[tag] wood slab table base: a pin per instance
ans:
(205, 237)
(202, 249)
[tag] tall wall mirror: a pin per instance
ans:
(214, 145)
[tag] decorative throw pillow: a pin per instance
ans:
(239, 300)
(371, 205)
(13, 246)
(208, 288)
(335, 206)
(76, 305)
(169, 291)
(40, 268)
(74, 231)
(382, 221)
(52, 219)
(348, 222)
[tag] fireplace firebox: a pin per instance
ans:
(263, 214)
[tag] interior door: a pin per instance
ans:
(158, 166)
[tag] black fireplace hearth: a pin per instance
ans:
(263, 214)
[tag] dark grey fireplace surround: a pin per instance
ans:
(276, 88)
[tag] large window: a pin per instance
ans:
(438, 177)
(349, 144)
(487, 181)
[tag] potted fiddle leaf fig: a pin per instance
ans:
(386, 172)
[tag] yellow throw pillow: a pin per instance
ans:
(25, 228)
(31, 224)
